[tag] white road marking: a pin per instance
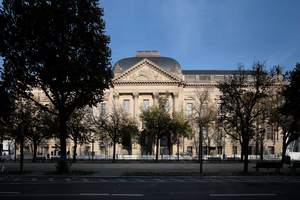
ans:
(128, 195)
(121, 180)
(34, 179)
(9, 192)
(68, 179)
(93, 194)
(140, 180)
(240, 195)
(50, 179)
(159, 180)
(103, 180)
(85, 180)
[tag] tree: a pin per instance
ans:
(180, 127)
(34, 120)
(60, 47)
(285, 110)
(202, 112)
(291, 93)
(79, 128)
(7, 108)
(156, 120)
(117, 125)
(239, 95)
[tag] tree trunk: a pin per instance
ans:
(63, 136)
(157, 145)
(63, 167)
(246, 142)
(34, 148)
(261, 150)
(114, 152)
(284, 147)
(169, 144)
(178, 150)
(75, 149)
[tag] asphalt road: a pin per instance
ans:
(149, 189)
(117, 169)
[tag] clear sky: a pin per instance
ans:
(207, 34)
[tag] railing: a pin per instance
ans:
(150, 157)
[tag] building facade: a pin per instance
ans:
(137, 81)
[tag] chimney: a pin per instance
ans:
(147, 54)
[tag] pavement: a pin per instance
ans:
(108, 169)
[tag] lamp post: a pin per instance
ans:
(200, 145)
(93, 150)
(21, 147)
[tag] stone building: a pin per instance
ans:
(137, 80)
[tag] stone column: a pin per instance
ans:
(135, 104)
(155, 94)
(175, 100)
(116, 98)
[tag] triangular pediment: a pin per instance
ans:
(146, 71)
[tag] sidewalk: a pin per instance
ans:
(107, 169)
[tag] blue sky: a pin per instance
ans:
(207, 34)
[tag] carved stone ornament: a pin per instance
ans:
(135, 94)
(175, 68)
(146, 74)
(278, 70)
(175, 94)
(116, 95)
(118, 69)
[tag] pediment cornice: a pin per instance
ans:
(146, 72)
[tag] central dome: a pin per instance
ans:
(154, 56)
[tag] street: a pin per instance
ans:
(148, 188)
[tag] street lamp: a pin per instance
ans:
(200, 145)
(93, 150)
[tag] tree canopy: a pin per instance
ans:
(240, 94)
(58, 46)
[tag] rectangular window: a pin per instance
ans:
(269, 133)
(190, 150)
(219, 109)
(190, 78)
(204, 132)
(102, 150)
(190, 136)
(204, 150)
(204, 78)
(126, 104)
(103, 109)
(189, 108)
(271, 150)
(167, 106)
(89, 110)
(234, 150)
(219, 149)
(145, 103)
(220, 135)
(219, 77)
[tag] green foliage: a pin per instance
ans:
(60, 47)
(292, 93)
(180, 126)
(239, 99)
(158, 123)
(63, 166)
(118, 126)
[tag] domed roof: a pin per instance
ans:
(164, 62)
